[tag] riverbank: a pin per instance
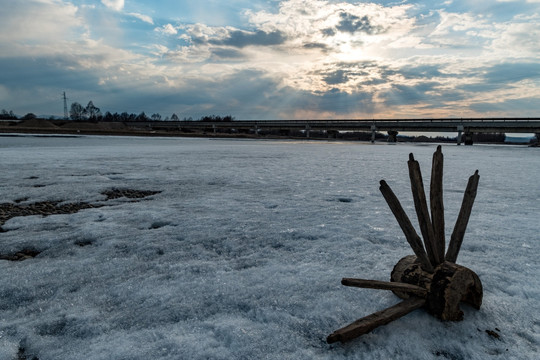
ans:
(38, 126)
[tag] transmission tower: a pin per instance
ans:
(65, 107)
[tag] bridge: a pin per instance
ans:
(465, 127)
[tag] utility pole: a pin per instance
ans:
(65, 107)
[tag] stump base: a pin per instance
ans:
(447, 286)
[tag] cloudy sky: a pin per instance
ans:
(270, 59)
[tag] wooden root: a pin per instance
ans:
(368, 323)
(386, 285)
(439, 292)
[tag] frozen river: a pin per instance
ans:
(241, 253)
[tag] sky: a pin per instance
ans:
(257, 60)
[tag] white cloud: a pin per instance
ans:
(142, 17)
(517, 38)
(167, 29)
(458, 22)
(37, 22)
(114, 4)
(68, 45)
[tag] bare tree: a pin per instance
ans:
(76, 111)
(92, 112)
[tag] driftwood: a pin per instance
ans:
(406, 226)
(368, 323)
(428, 279)
(436, 202)
(463, 218)
(386, 285)
(420, 204)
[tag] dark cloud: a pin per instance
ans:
(401, 94)
(348, 71)
(246, 94)
(526, 107)
(241, 39)
(328, 32)
(36, 84)
(227, 53)
(251, 94)
(512, 72)
(320, 46)
(444, 99)
(44, 71)
(364, 67)
(336, 77)
(423, 72)
(343, 103)
(352, 23)
(501, 75)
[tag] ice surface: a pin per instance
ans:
(241, 254)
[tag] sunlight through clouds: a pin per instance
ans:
(303, 40)
(291, 58)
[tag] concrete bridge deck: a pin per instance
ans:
(465, 126)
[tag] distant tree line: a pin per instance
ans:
(214, 118)
(5, 115)
(92, 113)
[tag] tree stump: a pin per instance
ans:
(428, 279)
(447, 286)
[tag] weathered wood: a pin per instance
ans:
(406, 226)
(408, 270)
(448, 286)
(463, 218)
(385, 285)
(436, 202)
(370, 322)
(420, 204)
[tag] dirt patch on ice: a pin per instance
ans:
(115, 193)
(46, 208)
(22, 255)
(23, 355)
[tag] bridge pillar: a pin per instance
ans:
(256, 130)
(307, 130)
(460, 132)
(468, 138)
(332, 134)
(537, 140)
(373, 130)
(392, 136)
(214, 128)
